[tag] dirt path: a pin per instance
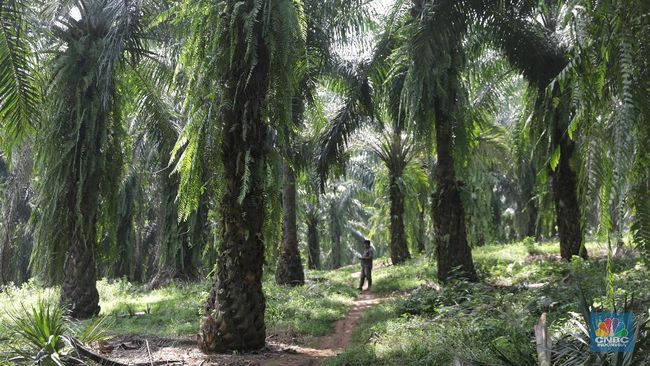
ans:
(281, 350)
(335, 343)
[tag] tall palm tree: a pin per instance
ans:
(435, 33)
(329, 24)
(290, 270)
(79, 143)
(531, 47)
(607, 45)
(235, 309)
(240, 54)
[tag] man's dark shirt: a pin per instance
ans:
(366, 259)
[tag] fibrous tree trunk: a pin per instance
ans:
(79, 286)
(567, 212)
(452, 249)
(335, 235)
(564, 184)
(234, 318)
(398, 248)
(531, 226)
(313, 240)
(289, 271)
(175, 250)
(79, 290)
(421, 235)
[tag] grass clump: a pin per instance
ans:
(172, 310)
(311, 309)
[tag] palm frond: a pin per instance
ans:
(19, 96)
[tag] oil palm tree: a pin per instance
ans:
(79, 143)
(236, 59)
(396, 151)
(313, 238)
(530, 46)
(343, 208)
(433, 33)
(607, 44)
(329, 24)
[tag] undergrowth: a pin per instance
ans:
(490, 322)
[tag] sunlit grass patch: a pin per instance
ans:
(311, 309)
(30, 293)
(169, 311)
(405, 276)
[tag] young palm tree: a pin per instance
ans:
(79, 143)
(396, 152)
(343, 207)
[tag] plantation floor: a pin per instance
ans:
(407, 319)
(281, 350)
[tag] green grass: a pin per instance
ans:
(489, 321)
(483, 321)
(403, 277)
(176, 309)
(169, 311)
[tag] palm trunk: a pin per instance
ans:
(125, 233)
(567, 212)
(452, 249)
(421, 231)
(531, 226)
(398, 248)
(79, 289)
(5, 244)
(335, 232)
(313, 241)
(174, 251)
(234, 318)
(617, 221)
(289, 271)
(79, 285)
(565, 195)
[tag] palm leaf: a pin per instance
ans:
(18, 92)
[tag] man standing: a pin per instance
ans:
(366, 264)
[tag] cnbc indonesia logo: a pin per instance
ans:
(612, 332)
